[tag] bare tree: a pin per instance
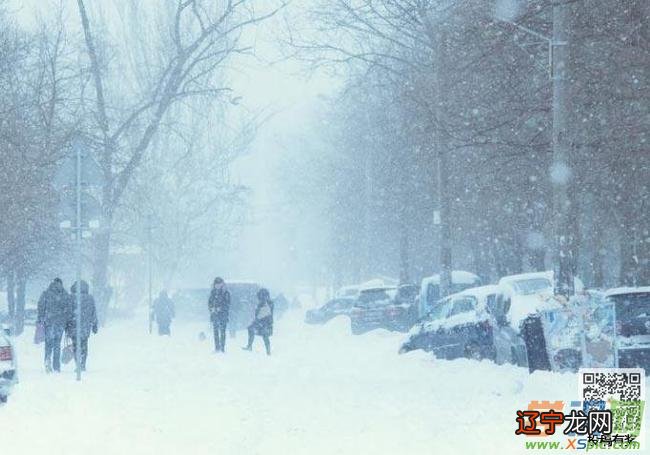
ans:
(199, 38)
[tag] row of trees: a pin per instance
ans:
(438, 153)
(145, 85)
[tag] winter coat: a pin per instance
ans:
(54, 307)
(163, 309)
(219, 304)
(88, 313)
(264, 318)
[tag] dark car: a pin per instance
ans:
(192, 304)
(8, 369)
(473, 324)
(390, 308)
(632, 316)
(330, 310)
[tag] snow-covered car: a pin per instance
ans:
(632, 316)
(530, 296)
(534, 283)
(351, 292)
(473, 324)
(429, 293)
(333, 308)
(380, 307)
(8, 369)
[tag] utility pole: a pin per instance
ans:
(442, 214)
(560, 172)
(150, 271)
(77, 173)
(78, 235)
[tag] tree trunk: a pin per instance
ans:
(445, 227)
(21, 284)
(101, 290)
(404, 274)
(629, 255)
(537, 259)
(11, 295)
(560, 172)
(598, 259)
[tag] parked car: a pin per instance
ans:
(8, 368)
(472, 324)
(531, 295)
(351, 292)
(192, 304)
(632, 316)
(333, 308)
(380, 307)
(429, 293)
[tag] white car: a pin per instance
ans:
(8, 369)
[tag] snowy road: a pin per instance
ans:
(322, 392)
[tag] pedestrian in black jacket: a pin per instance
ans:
(163, 311)
(88, 324)
(263, 323)
(219, 306)
(54, 308)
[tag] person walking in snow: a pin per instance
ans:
(163, 312)
(219, 306)
(263, 323)
(88, 324)
(54, 309)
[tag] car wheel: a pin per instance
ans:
(3, 398)
(473, 351)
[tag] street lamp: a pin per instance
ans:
(560, 171)
(79, 173)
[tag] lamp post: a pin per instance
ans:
(78, 235)
(78, 172)
(150, 271)
(560, 170)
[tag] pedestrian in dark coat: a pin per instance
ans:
(219, 306)
(88, 324)
(263, 323)
(163, 311)
(54, 308)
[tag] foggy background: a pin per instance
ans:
(323, 148)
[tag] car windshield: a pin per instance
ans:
(531, 286)
(375, 295)
(439, 311)
(407, 293)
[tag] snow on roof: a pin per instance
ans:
(457, 276)
(522, 306)
(377, 283)
(469, 317)
(480, 292)
(348, 289)
(526, 276)
(627, 290)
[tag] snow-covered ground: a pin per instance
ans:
(323, 391)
